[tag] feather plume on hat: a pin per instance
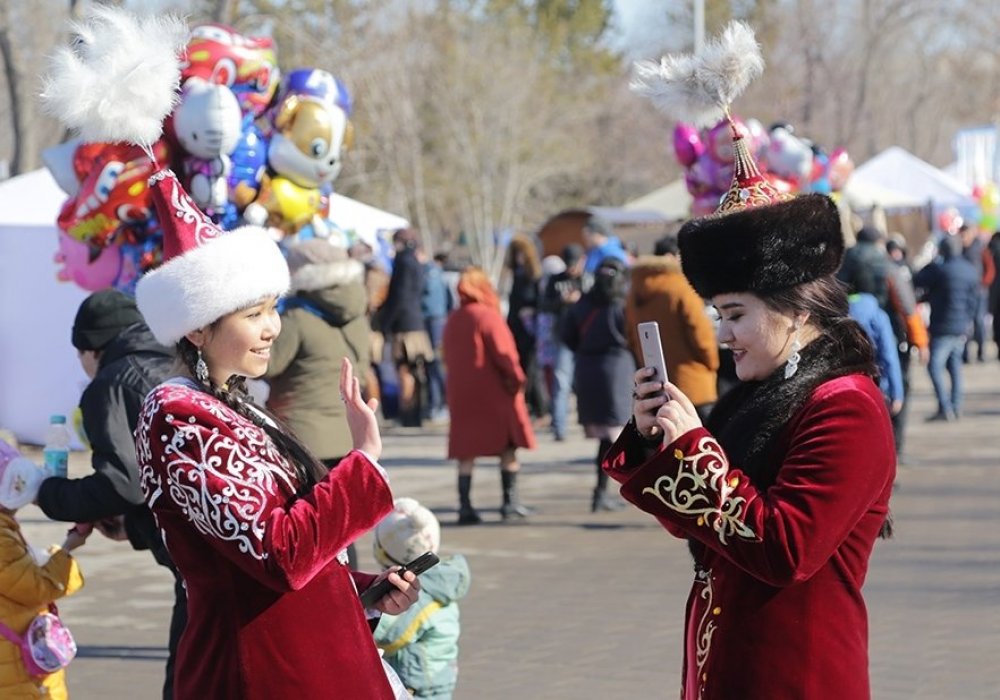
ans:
(117, 83)
(119, 78)
(699, 88)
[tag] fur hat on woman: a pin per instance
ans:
(406, 533)
(206, 272)
(20, 478)
(763, 249)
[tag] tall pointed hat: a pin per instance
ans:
(117, 82)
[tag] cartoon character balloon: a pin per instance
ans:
(245, 64)
(207, 124)
(305, 151)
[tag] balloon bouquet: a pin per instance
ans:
(248, 146)
(789, 163)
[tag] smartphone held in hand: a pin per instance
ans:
(377, 591)
(652, 349)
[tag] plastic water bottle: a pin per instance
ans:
(56, 449)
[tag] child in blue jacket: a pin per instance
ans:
(422, 643)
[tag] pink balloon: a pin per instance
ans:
(74, 257)
(840, 168)
(720, 140)
(705, 204)
(688, 146)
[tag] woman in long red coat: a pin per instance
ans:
(485, 387)
(784, 492)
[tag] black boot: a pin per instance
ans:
(601, 501)
(512, 507)
(467, 515)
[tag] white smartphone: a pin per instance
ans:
(652, 349)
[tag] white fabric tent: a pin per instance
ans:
(896, 169)
(672, 201)
(39, 370)
(862, 194)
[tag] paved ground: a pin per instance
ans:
(575, 605)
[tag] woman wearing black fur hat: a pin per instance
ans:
(782, 495)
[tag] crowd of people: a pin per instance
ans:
(239, 489)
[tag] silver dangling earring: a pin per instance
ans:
(792, 364)
(201, 369)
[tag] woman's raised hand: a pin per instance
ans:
(361, 419)
(647, 397)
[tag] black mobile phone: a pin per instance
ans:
(375, 592)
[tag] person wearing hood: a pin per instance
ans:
(421, 644)
(124, 362)
(660, 292)
(322, 321)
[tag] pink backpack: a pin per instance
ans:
(47, 646)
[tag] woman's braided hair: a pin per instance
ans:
(235, 395)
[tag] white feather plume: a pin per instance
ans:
(699, 88)
(119, 79)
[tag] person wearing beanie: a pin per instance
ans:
(124, 363)
(783, 491)
(29, 587)
(256, 525)
(422, 643)
(600, 241)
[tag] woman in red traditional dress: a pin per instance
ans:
(256, 525)
(784, 491)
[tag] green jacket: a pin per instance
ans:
(304, 371)
(422, 643)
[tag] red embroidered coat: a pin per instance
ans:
(777, 611)
(272, 612)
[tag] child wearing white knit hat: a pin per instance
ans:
(421, 644)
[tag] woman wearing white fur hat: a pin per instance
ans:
(255, 524)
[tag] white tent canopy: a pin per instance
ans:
(897, 170)
(39, 370)
(673, 201)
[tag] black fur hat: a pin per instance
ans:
(763, 249)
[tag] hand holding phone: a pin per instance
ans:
(379, 589)
(652, 350)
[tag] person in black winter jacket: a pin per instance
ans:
(951, 287)
(401, 317)
(124, 362)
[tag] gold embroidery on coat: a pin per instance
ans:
(700, 477)
(703, 635)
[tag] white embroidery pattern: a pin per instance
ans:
(186, 210)
(194, 462)
(701, 488)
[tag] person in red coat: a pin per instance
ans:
(255, 524)
(783, 493)
(485, 389)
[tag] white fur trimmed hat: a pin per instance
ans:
(206, 272)
(20, 478)
(406, 533)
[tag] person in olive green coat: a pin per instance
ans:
(323, 320)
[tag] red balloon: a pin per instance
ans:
(840, 168)
(688, 146)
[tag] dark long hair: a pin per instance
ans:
(748, 421)
(235, 395)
